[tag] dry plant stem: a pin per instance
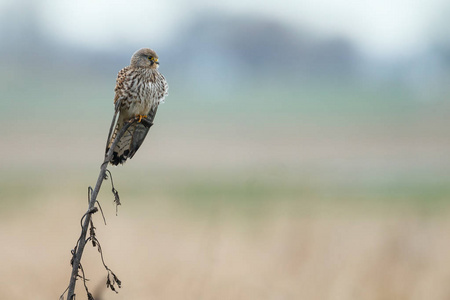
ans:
(82, 240)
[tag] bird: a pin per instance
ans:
(140, 88)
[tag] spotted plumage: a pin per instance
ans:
(140, 88)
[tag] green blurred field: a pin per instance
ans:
(265, 193)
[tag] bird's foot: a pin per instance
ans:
(140, 118)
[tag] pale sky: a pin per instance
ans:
(378, 27)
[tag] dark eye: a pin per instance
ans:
(150, 57)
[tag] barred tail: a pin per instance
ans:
(123, 147)
(131, 140)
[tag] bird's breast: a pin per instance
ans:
(140, 106)
(144, 92)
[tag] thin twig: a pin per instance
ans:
(62, 295)
(90, 297)
(101, 210)
(114, 191)
(78, 251)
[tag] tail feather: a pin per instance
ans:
(123, 148)
(131, 140)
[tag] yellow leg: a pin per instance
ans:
(140, 118)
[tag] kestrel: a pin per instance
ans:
(140, 88)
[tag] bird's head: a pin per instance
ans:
(145, 57)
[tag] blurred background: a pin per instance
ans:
(302, 152)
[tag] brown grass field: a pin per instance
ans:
(161, 253)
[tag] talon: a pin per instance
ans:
(140, 118)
